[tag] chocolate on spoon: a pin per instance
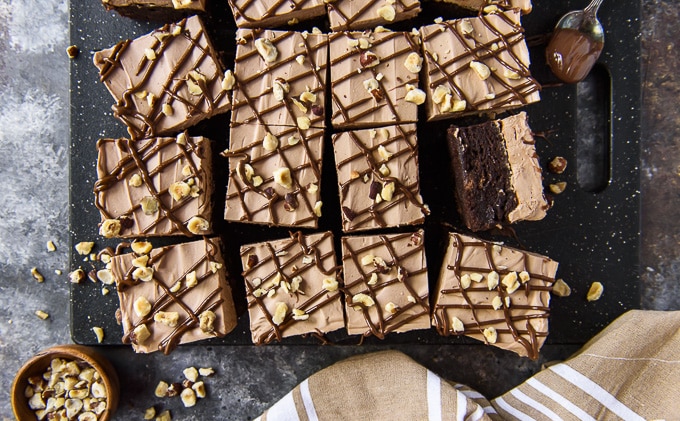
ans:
(576, 44)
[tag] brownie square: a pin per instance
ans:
(386, 286)
(165, 81)
(477, 64)
(173, 295)
(155, 9)
(280, 78)
(371, 75)
(378, 177)
(292, 287)
(353, 14)
(494, 5)
(496, 294)
(273, 13)
(274, 175)
(153, 187)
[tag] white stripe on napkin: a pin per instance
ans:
(518, 394)
(461, 406)
(434, 397)
(512, 411)
(559, 399)
(284, 410)
(477, 415)
(307, 401)
(596, 391)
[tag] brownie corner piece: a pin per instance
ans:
(164, 81)
(292, 287)
(154, 187)
(496, 294)
(386, 283)
(173, 295)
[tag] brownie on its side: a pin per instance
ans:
(155, 9)
(357, 15)
(496, 173)
(378, 177)
(165, 81)
(386, 286)
(292, 287)
(273, 13)
(153, 187)
(523, 5)
(477, 64)
(173, 295)
(280, 78)
(274, 175)
(497, 294)
(372, 74)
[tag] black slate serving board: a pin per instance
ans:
(592, 230)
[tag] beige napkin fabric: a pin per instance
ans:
(385, 385)
(629, 371)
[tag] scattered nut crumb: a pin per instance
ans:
(595, 291)
(161, 389)
(99, 333)
(84, 247)
(206, 371)
(191, 374)
(41, 314)
(558, 188)
(76, 276)
(164, 416)
(72, 51)
(558, 165)
(149, 413)
(37, 275)
(51, 246)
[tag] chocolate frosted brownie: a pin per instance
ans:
(274, 175)
(165, 81)
(378, 177)
(153, 187)
(292, 287)
(173, 295)
(374, 78)
(280, 78)
(497, 174)
(273, 13)
(497, 294)
(352, 15)
(386, 286)
(155, 9)
(477, 64)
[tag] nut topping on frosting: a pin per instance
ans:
(387, 12)
(198, 225)
(283, 177)
(110, 228)
(481, 69)
(413, 62)
(266, 49)
(490, 334)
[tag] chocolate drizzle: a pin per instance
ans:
(136, 157)
(517, 318)
(254, 100)
(502, 51)
(403, 149)
(345, 18)
(310, 257)
(189, 51)
(404, 275)
(355, 108)
(214, 298)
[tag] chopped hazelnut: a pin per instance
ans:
(330, 284)
(387, 12)
(207, 321)
(191, 374)
(561, 288)
(141, 334)
(413, 63)
(141, 306)
(280, 313)
(457, 325)
(283, 177)
(197, 225)
(37, 275)
(228, 81)
(481, 69)
(110, 228)
(72, 51)
(595, 291)
(99, 333)
(266, 49)
(364, 299)
(161, 389)
(492, 280)
(168, 318)
(42, 315)
(558, 188)
(490, 334)
(84, 247)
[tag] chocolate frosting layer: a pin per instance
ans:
(521, 322)
(398, 293)
(293, 272)
(263, 200)
(496, 44)
(353, 68)
(298, 65)
(130, 173)
(171, 265)
(165, 81)
(352, 15)
(366, 162)
(273, 13)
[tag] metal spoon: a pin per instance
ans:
(576, 44)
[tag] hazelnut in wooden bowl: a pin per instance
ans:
(65, 382)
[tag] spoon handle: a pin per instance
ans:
(592, 8)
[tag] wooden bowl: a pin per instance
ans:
(37, 365)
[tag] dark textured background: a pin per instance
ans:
(34, 126)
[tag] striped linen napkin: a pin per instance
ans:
(630, 371)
